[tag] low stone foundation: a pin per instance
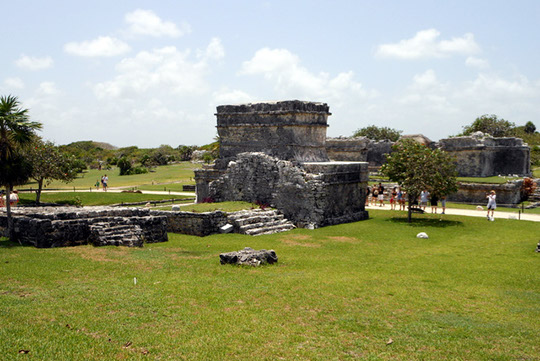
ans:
(196, 224)
(70, 226)
(508, 194)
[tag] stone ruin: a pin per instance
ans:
(479, 155)
(49, 227)
(274, 154)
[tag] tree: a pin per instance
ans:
(491, 125)
(16, 132)
(530, 128)
(48, 163)
(378, 133)
(416, 167)
(124, 165)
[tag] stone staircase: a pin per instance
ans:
(110, 234)
(535, 197)
(255, 222)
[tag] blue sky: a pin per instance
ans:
(148, 73)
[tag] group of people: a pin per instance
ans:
(104, 181)
(13, 199)
(375, 195)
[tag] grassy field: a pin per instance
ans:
(160, 177)
(95, 198)
(368, 290)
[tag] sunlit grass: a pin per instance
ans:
(469, 292)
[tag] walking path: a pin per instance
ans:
(475, 213)
(453, 211)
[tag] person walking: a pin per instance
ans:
(381, 195)
(492, 205)
(434, 202)
(105, 182)
(424, 197)
(443, 204)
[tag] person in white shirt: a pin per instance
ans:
(492, 204)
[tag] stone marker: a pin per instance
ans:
(249, 256)
(176, 207)
(228, 228)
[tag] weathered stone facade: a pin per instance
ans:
(358, 149)
(196, 224)
(289, 130)
(275, 153)
(485, 156)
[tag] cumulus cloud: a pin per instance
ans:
(13, 83)
(34, 63)
(47, 88)
(146, 22)
(166, 70)
(225, 96)
(475, 62)
(103, 46)
(283, 69)
(426, 44)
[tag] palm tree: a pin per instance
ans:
(16, 131)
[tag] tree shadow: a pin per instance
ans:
(424, 222)
(6, 243)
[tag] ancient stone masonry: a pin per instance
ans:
(275, 154)
(358, 149)
(71, 226)
(481, 155)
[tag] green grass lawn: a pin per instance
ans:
(368, 290)
(95, 198)
(181, 173)
(490, 180)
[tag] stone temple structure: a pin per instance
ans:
(274, 153)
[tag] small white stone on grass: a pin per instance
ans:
(480, 208)
(176, 207)
(422, 235)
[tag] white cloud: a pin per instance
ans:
(226, 96)
(475, 62)
(425, 44)
(146, 22)
(214, 50)
(47, 88)
(34, 63)
(104, 46)
(166, 71)
(290, 79)
(13, 83)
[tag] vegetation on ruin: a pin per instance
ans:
(374, 132)
(344, 292)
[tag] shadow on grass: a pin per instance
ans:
(6, 243)
(423, 222)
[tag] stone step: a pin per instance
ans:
(250, 213)
(269, 223)
(270, 229)
(104, 234)
(258, 219)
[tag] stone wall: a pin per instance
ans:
(508, 194)
(348, 149)
(318, 194)
(196, 224)
(484, 156)
(48, 227)
(289, 130)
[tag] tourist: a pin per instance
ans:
(105, 182)
(374, 195)
(393, 199)
(492, 204)
(424, 197)
(401, 199)
(2, 199)
(443, 204)
(381, 195)
(434, 202)
(97, 184)
(14, 198)
(368, 192)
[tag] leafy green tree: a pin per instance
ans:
(491, 125)
(378, 133)
(416, 167)
(16, 132)
(48, 163)
(185, 152)
(530, 128)
(124, 165)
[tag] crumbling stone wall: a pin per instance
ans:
(508, 194)
(317, 194)
(348, 149)
(70, 226)
(481, 155)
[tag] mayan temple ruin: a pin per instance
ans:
(274, 153)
